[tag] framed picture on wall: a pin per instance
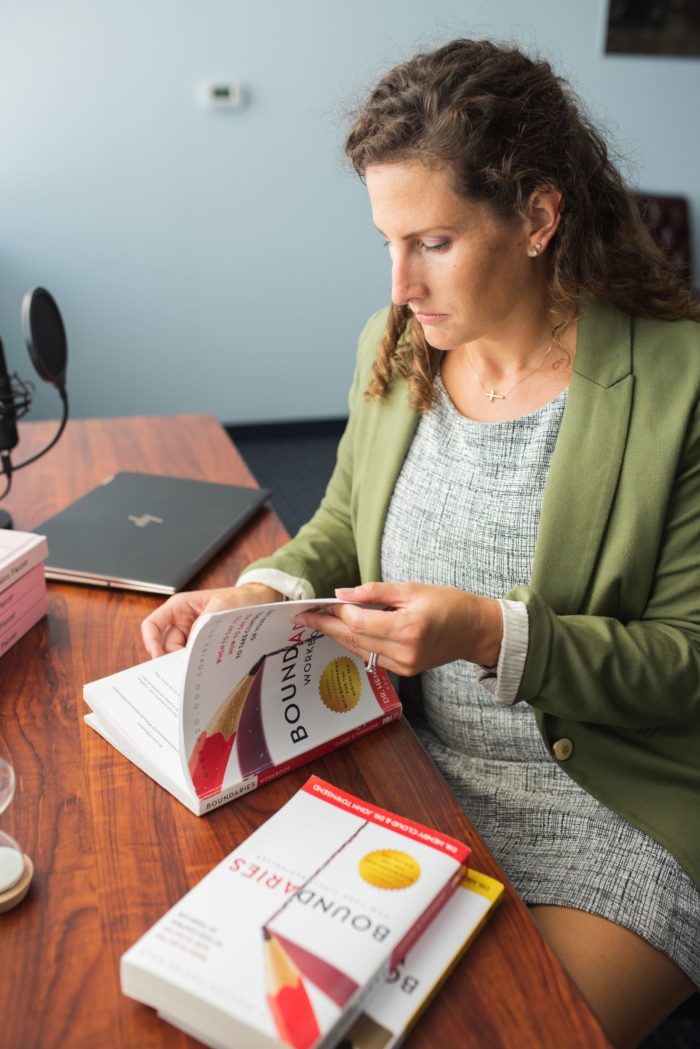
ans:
(653, 27)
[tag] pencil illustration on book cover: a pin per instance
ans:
(240, 713)
(287, 996)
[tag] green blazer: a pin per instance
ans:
(613, 662)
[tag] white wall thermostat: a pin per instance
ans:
(222, 94)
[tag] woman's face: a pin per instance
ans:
(463, 272)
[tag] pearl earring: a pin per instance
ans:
(534, 251)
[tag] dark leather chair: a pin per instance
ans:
(668, 221)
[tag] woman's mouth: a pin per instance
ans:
(429, 318)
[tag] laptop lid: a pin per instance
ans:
(139, 531)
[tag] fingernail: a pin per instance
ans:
(300, 621)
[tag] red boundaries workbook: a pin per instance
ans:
(285, 939)
(251, 697)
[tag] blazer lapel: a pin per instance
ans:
(587, 459)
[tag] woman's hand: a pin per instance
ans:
(425, 626)
(167, 629)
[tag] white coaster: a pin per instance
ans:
(12, 896)
(11, 867)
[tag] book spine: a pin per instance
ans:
(201, 806)
(15, 567)
(430, 912)
(19, 597)
(383, 690)
(23, 624)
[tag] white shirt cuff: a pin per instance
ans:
(292, 588)
(503, 680)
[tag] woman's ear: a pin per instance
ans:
(543, 214)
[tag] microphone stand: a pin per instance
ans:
(45, 337)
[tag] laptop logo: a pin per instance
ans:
(145, 519)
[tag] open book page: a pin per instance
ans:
(138, 711)
(258, 692)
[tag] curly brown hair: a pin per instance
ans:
(505, 124)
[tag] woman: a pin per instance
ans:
(523, 446)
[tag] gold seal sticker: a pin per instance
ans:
(340, 685)
(389, 869)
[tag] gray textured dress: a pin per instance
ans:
(464, 513)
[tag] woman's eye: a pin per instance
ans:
(443, 245)
(424, 246)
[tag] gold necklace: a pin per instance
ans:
(491, 394)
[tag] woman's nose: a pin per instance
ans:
(405, 283)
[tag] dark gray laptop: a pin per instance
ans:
(140, 531)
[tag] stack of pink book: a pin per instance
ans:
(22, 584)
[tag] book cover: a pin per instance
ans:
(282, 942)
(19, 553)
(250, 698)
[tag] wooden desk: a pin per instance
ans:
(112, 850)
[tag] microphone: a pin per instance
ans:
(8, 413)
(45, 337)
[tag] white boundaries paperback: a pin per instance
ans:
(389, 1014)
(286, 938)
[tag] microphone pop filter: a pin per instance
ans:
(45, 336)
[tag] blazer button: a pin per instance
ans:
(562, 749)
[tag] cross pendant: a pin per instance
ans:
(493, 396)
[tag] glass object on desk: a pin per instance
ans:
(15, 868)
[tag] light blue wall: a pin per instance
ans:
(224, 262)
